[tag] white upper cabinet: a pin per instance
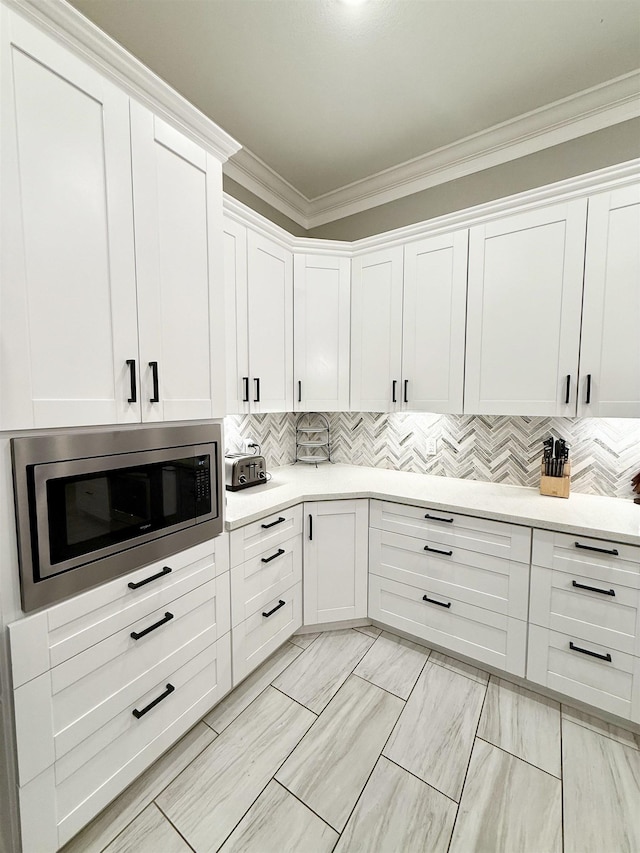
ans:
(433, 324)
(610, 345)
(68, 301)
(177, 197)
(376, 331)
(321, 322)
(235, 306)
(523, 312)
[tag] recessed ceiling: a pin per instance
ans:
(327, 93)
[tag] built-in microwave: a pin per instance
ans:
(91, 506)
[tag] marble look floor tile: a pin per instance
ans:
(278, 823)
(209, 798)
(398, 812)
(523, 723)
(393, 664)
(150, 832)
(369, 630)
(507, 806)
(303, 640)
(331, 764)
(460, 667)
(106, 826)
(602, 727)
(316, 676)
(434, 735)
(601, 787)
(243, 695)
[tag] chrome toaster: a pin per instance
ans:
(243, 470)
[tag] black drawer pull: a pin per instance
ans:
(299, 391)
(567, 393)
(438, 551)
(593, 588)
(156, 390)
(132, 376)
(280, 604)
(245, 389)
(574, 648)
(165, 571)
(406, 391)
(137, 714)
(256, 399)
(393, 391)
(166, 618)
(273, 523)
(435, 518)
(588, 400)
(278, 553)
(433, 601)
(613, 551)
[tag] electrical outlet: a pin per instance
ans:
(431, 446)
(246, 445)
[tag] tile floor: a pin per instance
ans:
(357, 740)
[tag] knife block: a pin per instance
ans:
(556, 487)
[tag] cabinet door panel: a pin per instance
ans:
(235, 306)
(610, 345)
(68, 299)
(270, 327)
(178, 225)
(435, 304)
(322, 295)
(376, 331)
(523, 312)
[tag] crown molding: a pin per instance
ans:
(64, 23)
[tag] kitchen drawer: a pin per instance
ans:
(256, 538)
(439, 527)
(593, 558)
(258, 581)
(483, 635)
(258, 636)
(610, 616)
(611, 685)
(48, 638)
(86, 780)
(477, 578)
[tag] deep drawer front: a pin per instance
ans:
(258, 636)
(477, 578)
(472, 631)
(601, 610)
(439, 527)
(613, 685)
(256, 582)
(592, 558)
(255, 539)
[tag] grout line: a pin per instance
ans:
(562, 838)
(306, 805)
(428, 784)
(519, 757)
(597, 731)
(300, 704)
(172, 824)
(379, 686)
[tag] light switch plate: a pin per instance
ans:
(431, 446)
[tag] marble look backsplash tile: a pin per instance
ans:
(605, 452)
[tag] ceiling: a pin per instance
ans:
(324, 94)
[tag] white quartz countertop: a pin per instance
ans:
(587, 515)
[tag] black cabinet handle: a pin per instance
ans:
(393, 391)
(588, 397)
(613, 551)
(280, 604)
(406, 390)
(433, 601)
(165, 571)
(156, 391)
(575, 648)
(256, 399)
(438, 551)
(166, 618)
(273, 523)
(435, 518)
(310, 527)
(137, 714)
(245, 388)
(568, 389)
(593, 588)
(278, 553)
(299, 391)
(132, 376)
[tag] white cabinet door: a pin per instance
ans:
(434, 311)
(270, 324)
(321, 322)
(177, 194)
(235, 306)
(523, 312)
(376, 331)
(610, 345)
(335, 560)
(68, 299)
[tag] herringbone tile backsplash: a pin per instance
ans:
(605, 453)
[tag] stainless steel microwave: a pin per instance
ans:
(91, 506)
